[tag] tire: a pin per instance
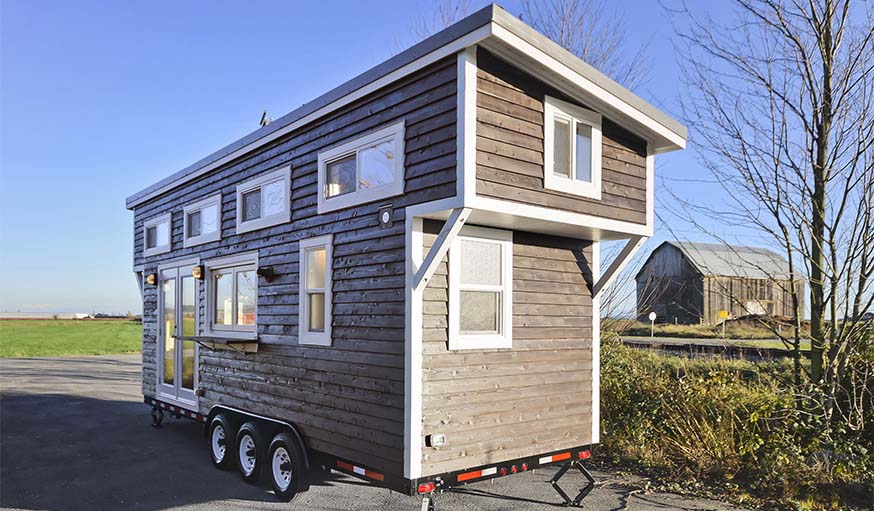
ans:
(285, 463)
(251, 452)
(220, 434)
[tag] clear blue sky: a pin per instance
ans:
(101, 99)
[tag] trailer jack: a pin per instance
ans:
(428, 502)
(575, 502)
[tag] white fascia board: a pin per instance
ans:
(596, 346)
(590, 90)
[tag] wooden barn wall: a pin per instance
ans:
(669, 286)
(732, 294)
(348, 398)
(500, 404)
(510, 149)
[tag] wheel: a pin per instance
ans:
(287, 468)
(251, 449)
(220, 433)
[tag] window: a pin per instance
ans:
(202, 221)
(481, 289)
(366, 169)
(232, 296)
(314, 305)
(156, 235)
(572, 143)
(264, 201)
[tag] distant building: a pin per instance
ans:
(685, 282)
(44, 315)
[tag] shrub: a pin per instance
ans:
(729, 423)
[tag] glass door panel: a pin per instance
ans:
(189, 329)
(169, 330)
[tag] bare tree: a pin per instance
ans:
(782, 101)
(443, 14)
(593, 31)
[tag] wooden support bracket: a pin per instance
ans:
(441, 245)
(634, 243)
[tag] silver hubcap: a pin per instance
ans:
(218, 443)
(281, 460)
(247, 461)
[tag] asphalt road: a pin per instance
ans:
(74, 434)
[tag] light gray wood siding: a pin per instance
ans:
(496, 405)
(510, 149)
(347, 398)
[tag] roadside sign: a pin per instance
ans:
(652, 316)
(722, 314)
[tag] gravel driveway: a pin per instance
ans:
(74, 434)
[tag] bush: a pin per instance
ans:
(733, 424)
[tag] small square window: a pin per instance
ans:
(202, 222)
(572, 149)
(156, 235)
(232, 296)
(363, 170)
(264, 201)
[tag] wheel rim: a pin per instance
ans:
(247, 462)
(281, 461)
(218, 443)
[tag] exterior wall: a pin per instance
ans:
(499, 404)
(510, 149)
(742, 296)
(348, 398)
(669, 286)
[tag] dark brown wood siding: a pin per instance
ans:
(510, 149)
(347, 398)
(495, 405)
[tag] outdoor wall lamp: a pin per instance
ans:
(151, 279)
(266, 272)
(197, 272)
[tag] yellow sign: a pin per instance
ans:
(722, 314)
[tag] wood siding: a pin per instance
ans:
(510, 149)
(348, 398)
(495, 405)
(673, 288)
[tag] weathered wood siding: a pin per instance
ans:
(741, 296)
(347, 398)
(510, 149)
(495, 405)
(671, 287)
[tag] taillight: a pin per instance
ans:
(503, 471)
(524, 467)
(513, 469)
(584, 455)
(427, 487)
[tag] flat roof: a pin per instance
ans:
(489, 15)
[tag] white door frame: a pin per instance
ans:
(175, 393)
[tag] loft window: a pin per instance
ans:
(202, 221)
(315, 302)
(232, 296)
(264, 201)
(481, 289)
(572, 149)
(363, 170)
(156, 235)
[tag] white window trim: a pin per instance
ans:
(153, 222)
(248, 332)
(395, 133)
(199, 206)
(283, 174)
(304, 336)
(553, 108)
(457, 340)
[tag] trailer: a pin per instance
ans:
(400, 279)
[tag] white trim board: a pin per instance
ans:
(596, 346)
(466, 124)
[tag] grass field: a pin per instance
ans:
(60, 337)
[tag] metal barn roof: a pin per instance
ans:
(718, 259)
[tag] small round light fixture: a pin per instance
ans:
(197, 272)
(152, 279)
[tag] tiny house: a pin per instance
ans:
(690, 283)
(400, 279)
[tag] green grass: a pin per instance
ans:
(738, 329)
(52, 338)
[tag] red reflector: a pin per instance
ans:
(524, 467)
(427, 487)
(584, 455)
(503, 471)
(560, 457)
(513, 469)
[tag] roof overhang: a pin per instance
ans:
(496, 30)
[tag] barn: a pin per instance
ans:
(688, 283)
